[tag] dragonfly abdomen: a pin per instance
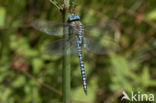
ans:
(83, 74)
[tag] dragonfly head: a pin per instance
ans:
(73, 17)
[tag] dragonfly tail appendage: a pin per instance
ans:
(83, 74)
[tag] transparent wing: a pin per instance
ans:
(108, 27)
(102, 38)
(57, 47)
(101, 46)
(50, 28)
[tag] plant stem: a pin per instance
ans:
(66, 72)
(66, 59)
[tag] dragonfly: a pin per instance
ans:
(98, 39)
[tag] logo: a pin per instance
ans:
(137, 96)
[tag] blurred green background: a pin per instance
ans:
(28, 75)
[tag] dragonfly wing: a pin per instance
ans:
(101, 46)
(50, 28)
(57, 47)
(101, 38)
(109, 27)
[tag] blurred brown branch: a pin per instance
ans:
(20, 63)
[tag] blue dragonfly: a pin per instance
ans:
(98, 38)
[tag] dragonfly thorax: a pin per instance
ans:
(76, 28)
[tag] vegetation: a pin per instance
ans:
(29, 75)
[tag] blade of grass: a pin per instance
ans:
(55, 3)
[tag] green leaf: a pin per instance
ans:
(145, 76)
(20, 81)
(152, 15)
(6, 94)
(2, 16)
(37, 64)
(35, 95)
(120, 64)
(121, 67)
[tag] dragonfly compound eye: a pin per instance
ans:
(73, 17)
